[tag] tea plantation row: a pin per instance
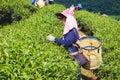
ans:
(12, 11)
(26, 55)
(108, 30)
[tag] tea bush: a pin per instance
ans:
(107, 30)
(11, 11)
(25, 54)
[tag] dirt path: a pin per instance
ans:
(81, 33)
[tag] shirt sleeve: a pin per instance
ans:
(67, 41)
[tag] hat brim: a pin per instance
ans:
(60, 15)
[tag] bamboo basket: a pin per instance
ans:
(91, 48)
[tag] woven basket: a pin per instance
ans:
(91, 48)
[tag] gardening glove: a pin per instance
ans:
(82, 36)
(50, 38)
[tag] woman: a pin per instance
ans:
(70, 35)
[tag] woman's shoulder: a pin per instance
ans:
(74, 30)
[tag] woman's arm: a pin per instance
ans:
(69, 39)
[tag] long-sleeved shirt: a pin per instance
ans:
(71, 37)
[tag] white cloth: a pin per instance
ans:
(70, 24)
(40, 3)
(70, 21)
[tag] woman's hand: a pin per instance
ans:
(50, 38)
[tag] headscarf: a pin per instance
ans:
(70, 21)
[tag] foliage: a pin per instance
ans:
(107, 30)
(25, 54)
(11, 11)
(115, 17)
(109, 7)
(111, 70)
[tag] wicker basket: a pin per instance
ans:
(91, 48)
